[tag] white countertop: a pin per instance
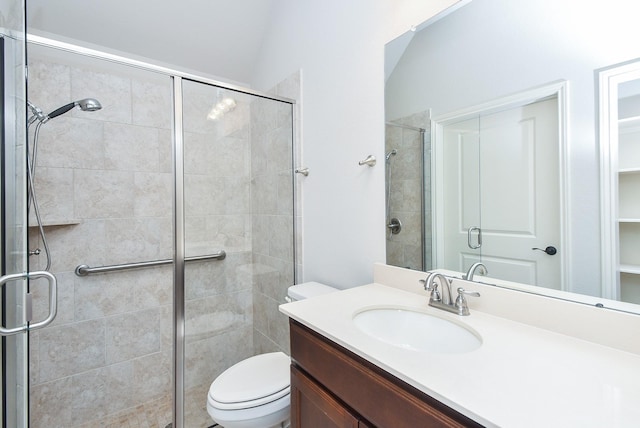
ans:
(521, 376)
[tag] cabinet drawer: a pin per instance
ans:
(380, 398)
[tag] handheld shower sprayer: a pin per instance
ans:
(37, 115)
(87, 104)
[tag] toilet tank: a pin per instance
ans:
(306, 290)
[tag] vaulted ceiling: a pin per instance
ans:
(216, 37)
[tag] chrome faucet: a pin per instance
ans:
(482, 270)
(459, 307)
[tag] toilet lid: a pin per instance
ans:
(255, 378)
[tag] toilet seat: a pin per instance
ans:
(253, 382)
(250, 403)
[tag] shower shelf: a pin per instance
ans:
(54, 223)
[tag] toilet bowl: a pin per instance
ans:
(255, 393)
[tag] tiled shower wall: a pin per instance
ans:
(406, 194)
(104, 185)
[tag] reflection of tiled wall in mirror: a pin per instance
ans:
(406, 192)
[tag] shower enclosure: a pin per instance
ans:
(169, 214)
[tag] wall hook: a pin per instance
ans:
(369, 160)
(303, 170)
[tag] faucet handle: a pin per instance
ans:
(430, 285)
(462, 292)
(461, 301)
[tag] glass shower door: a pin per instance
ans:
(238, 197)
(104, 183)
(13, 206)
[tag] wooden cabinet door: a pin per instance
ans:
(313, 407)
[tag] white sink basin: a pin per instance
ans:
(416, 331)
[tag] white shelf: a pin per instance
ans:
(635, 269)
(629, 170)
(629, 220)
(628, 123)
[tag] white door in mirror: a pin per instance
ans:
(505, 169)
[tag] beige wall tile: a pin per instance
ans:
(152, 377)
(113, 92)
(131, 148)
(103, 194)
(102, 391)
(51, 404)
(71, 349)
(153, 193)
(67, 142)
(49, 84)
(54, 192)
(132, 335)
(100, 296)
(151, 103)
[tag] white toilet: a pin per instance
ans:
(255, 393)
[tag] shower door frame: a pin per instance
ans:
(13, 254)
(178, 191)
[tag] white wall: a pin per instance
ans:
(467, 58)
(340, 48)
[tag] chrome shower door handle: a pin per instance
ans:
(479, 240)
(53, 301)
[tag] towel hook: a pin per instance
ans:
(369, 161)
(302, 170)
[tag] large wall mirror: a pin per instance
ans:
(494, 149)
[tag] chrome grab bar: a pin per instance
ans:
(84, 270)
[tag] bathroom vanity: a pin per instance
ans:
(537, 364)
(331, 386)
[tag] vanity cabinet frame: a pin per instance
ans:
(353, 392)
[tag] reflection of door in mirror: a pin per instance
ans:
(502, 184)
(408, 236)
(620, 127)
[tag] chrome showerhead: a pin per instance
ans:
(89, 104)
(391, 153)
